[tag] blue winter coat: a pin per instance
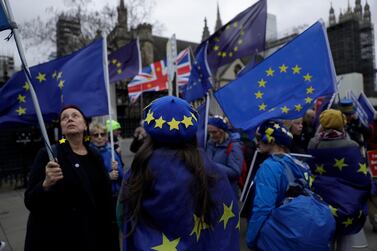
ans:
(105, 152)
(270, 186)
(230, 164)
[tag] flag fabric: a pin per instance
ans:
(183, 63)
(367, 107)
(284, 85)
(152, 78)
(74, 79)
(155, 76)
(199, 81)
(341, 178)
(361, 114)
(243, 36)
(124, 63)
(4, 22)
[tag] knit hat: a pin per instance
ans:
(332, 119)
(346, 106)
(115, 125)
(170, 120)
(219, 122)
(275, 132)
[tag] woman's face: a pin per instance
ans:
(217, 135)
(98, 137)
(296, 127)
(72, 122)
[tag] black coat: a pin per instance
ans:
(73, 214)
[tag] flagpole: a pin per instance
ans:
(29, 79)
(107, 84)
(206, 120)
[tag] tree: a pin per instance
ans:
(39, 34)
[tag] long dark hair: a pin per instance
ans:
(141, 180)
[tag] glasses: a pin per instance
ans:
(96, 135)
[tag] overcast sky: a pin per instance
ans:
(185, 17)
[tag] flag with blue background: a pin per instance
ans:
(4, 22)
(74, 79)
(199, 81)
(284, 85)
(243, 36)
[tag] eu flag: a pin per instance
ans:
(244, 35)
(4, 23)
(284, 85)
(74, 79)
(341, 178)
(199, 81)
(124, 63)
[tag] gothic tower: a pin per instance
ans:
(205, 33)
(219, 24)
(332, 18)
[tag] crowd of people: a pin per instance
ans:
(178, 196)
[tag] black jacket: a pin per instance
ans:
(74, 214)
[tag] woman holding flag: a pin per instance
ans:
(69, 199)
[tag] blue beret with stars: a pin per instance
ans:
(170, 120)
(275, 132)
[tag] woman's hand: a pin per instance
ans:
(53, 174)
(114, 174)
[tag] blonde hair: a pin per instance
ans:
(95, 126)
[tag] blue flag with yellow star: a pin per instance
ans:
(341, 177)
(124, 63)
(284, 85)
(199, 80)
(4, 22)
(74, 79)
(243, 36)
(168, 218)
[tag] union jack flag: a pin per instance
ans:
(155, 76)
(183, 67)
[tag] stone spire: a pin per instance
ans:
(332, 18)
(358, 9)
(122, 14)
(367, 16)
(219, 24)
(205, 34)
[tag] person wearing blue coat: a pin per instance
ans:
(115, 169)
(225, 151)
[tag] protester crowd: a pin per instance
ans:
(310, 192)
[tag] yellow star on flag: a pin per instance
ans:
(235, 48)
(230, 54)
(339, 163)
(216, 48)
(270, 72)
(167, 245)
(285, 109)
(41, 77)
(173, 124)
(26, 86)
(296, 69)
(228, 213)
(258, 95)
(61, 84)
(193, 115)
(240, 41)
(262, 83)
(119, 71)
(21, 98)
(276, 126)
(262, 107)
(308, 100)
(363, 168)
(309, 90)
(283, 68)
(347, 222)
(199, 225)
(235, 24)
(59, 75)
(239, 223)
(308, 77)
(119, 64)
(311, 180)
(159, 122)
(62, 140)
(114, 61)
(223, 54)
(320, 169)
(334, 211)
(21, 111)
(149, 117)
(298, 108)
(54, 74)
(187, 121)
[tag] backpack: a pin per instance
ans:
(301, 222)
(244, 168)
